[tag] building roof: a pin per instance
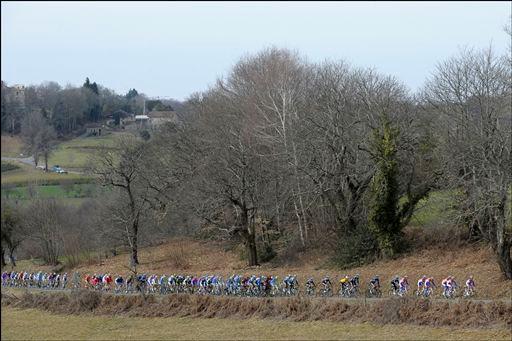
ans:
(162, 114)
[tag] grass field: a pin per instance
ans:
(28, 174)
(70, 190)
(76, 153)
(436, 209)
(28, 324)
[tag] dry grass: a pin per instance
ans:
(167, 258)
(33, 324)
(210, 257)
(299, 309)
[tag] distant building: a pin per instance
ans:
(19, 93)
(157, 118)
(142, 121)
(16, 94)
(93, 129)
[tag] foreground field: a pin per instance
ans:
(29, 324)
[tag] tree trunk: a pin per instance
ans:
(2, 251)
(251, 250)
(11, 257)
(504, 260)
(46, 162)
(250, 238)
(135, 257)
(503, 242)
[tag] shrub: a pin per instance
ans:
(179, 257)
(355, 249)
(8, 167)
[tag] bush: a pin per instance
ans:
(355, 249)
(179, 257)
(266, 253)
(145, 135)
(8, 166)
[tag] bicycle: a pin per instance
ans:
(373, 291)
(468, 292)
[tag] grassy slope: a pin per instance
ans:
(34, 324)
(434, 210)
(75, 153)
(209, 257)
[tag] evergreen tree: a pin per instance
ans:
(384, 217)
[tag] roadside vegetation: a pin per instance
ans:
(19, 324)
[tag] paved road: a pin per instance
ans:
(347, 300)
(27, 160)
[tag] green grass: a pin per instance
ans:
(436, 209)
(29, 324)
(77, 152)
(51, 191)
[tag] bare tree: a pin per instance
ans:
(472, 94)
(12, 231)
(274, 85)
(44, 224)
(121, 168)
(38, 136)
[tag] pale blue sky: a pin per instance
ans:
(172, 49)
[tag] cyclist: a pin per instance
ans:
(162, 282)
(452, 285)
(344, 281)
(354, 284)
(310, 286)
(64, 280)
(470, 286)
(327, 285)
(404, 285)
(119, 282)
(421, 285)
(444, 283)
(429, 286)
(375, 285)
(395, 284)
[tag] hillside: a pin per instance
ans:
(197, 257)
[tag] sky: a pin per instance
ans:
(172, 49)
